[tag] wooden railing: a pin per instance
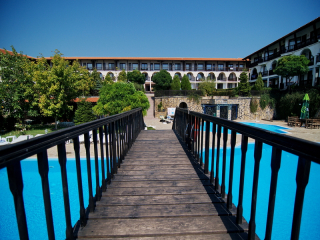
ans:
(118, 132)
(193, 127)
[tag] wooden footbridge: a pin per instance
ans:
(159, 184)
(160, 192)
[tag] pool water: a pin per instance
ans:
(285, 195)
(33, 199)
(269, 127)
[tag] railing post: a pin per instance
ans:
(217, 185)
(257, 158)
(201, 144)
(206, 157)
(114, 150)
(244, 147)
(302, 179)
(223, 183)
(233, 143)
(76, 146)
(103, 183)
(87, 146)
(96, 163)
(63, 162)
(43, 168)
(214, 126)
(108, 157)
(16, 187)
(275, 166)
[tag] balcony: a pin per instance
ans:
(222, 79)
(254, 76)
(264, 73)
(271, 72)
(317, 58)
(311, 59)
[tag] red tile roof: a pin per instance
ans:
(89, 99)
(152, 58)
(10, 52)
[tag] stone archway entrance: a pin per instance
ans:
(183, 105)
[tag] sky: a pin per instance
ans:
(149, 28)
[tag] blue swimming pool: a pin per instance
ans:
(269, 127)
(33, 199)
(285, 193)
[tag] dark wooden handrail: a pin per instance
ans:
(120, 131)
(306, 151)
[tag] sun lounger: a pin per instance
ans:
(22, 138)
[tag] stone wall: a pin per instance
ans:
(242, 102)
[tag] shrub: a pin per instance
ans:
(266, 100)
(84, 112)
(207, 87)
(185, 83)
(253, 105)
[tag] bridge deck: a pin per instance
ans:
(160, 192)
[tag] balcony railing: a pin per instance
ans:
(191, 69)
(118, 132)
(222, 79)
(264, 73)
(194, 127)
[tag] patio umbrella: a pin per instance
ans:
(305, 107)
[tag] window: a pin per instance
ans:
(151, 66)
(220, 67)
(104, 66)
(144, 66)
(165, 66)
(230, 85)
(157, 66)
(170, 66)
(177, 66)
(230, 66)
(89, 66)
(111, 66)
(188, 66)
(135, 66)
(189, 76)
(84, 64)
(209, 67)
(241, 66)
(99, 66)
(122, 66)
(200, 66)
(213, 67)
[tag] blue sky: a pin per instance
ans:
(163, 28)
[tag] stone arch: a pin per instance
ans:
(190, 76)
(146, 75)
(178, 74)
(183, 105)
(232, 77)
(200, 76)
(254, 74)
(211, 76)
(308, 54)
(222, 76)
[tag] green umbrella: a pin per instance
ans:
(305, 107)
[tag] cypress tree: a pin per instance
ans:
(84, 112)
(185, 83)
(176, 85)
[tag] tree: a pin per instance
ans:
(16, 96)
(58, 85)
(290, 66)
(244, 86)
(185, 83)
(136, 76)
(84, 112)
(162, 80)
(120, 97)
(176, 85)
(97, 79)
(122, 76)
(208, 87)
(259, 85)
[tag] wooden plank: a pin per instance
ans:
(158, 172)
(198, 236)
(129, 167)
(150, 227)
(158, 177)
(152, 161)
(143, 211)
(158, 199)
(152, 184)
(158, 191)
